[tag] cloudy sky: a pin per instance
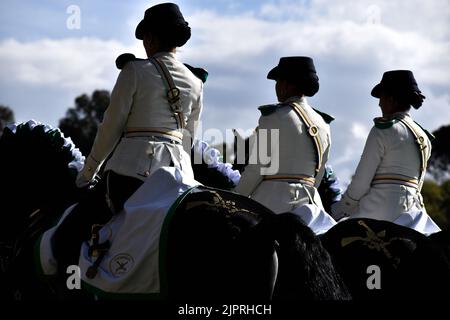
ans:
(47, 59)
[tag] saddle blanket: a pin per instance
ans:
(315, 217)
(133, 265)
(418, 220)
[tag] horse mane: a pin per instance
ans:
(38, 167)
(211, 177)
(40, 164)
(209, 169)
(306, 270)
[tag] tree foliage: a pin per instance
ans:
(437, 194)
(439, 164)
(81, 121)
(6, 116)
(437, 202)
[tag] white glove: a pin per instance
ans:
(82, 181)
(338, 211)
(87, 174)
(344, 208)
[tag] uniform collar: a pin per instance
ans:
(298, 99)
(397, 115)
(402, 114)
(165, 54)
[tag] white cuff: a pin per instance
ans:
(350, 203)
(87, 174)
(344, 208)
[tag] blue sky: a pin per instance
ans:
(45, 65)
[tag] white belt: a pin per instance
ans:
(395, 179)
(308, 180)
(170, 135)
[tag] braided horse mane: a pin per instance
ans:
(38, 167)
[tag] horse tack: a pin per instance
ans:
(173, 93)
(96, 249)
(218, 202)
(31, 232)
(375, 241)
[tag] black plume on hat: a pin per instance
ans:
(164, 17)
(299, 70)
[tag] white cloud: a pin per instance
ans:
(359, 131)
(242, 41)
(72, 63)
(435, 110)
(353, 43)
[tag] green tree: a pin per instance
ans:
(81, 122)
(445, 205)
(439, 164)
(437, 202)
(6, 116)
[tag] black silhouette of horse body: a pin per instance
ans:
(231, 248)
(383, 260)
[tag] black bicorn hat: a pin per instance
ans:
(289, 68)
(164, 15)
(397, 81)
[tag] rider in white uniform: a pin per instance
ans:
(154, 105)
(143, 128)
(390, 174)
(297, 160)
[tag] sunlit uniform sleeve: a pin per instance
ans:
(253, 175)
(373, 153)
(193, 121)
(112, 127)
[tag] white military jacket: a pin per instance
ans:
(290, 178)
(389, 176)
(139, 105)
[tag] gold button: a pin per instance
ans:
(313, 131)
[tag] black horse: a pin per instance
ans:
(410, 264)
(37, 185)
(383, 260)
(252, 253)
(220, 244)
